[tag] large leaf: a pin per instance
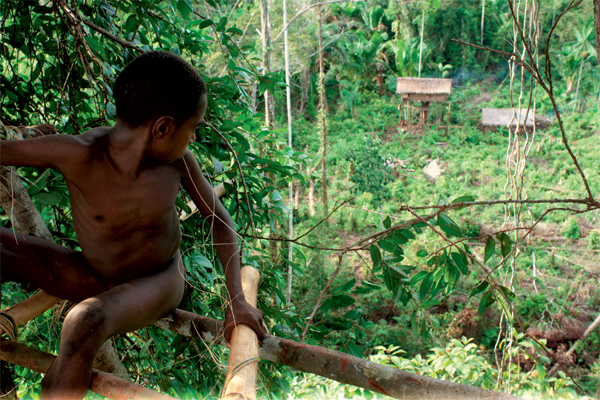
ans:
(505, 244)
(448, 225)
(490, 245)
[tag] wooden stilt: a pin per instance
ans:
(243, 356)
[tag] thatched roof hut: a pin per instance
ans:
(424, 89)
(496, 117)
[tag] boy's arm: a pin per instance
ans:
(226, 244)
(44, 152)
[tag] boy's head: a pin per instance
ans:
(158, 84)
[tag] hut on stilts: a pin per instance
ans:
(245, 350)
(425, 91)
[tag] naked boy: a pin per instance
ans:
(123, 182)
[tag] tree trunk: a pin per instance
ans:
(334, 365)
(265, 24)
(311, 196)
(482, 19)
(322, 114)
(421, 46)
(597, 25)
(288, 91)
(587, 332)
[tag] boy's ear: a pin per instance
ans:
(163, 126)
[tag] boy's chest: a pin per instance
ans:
(121, 202)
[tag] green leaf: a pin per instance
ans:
(461, 262)
(353, 314)
(407, 234)
(354, 350)
(490, 245)
(40, 183)
(448, 225)
(206, 23)
(462, 199)
(221, 25)
(185, 8)
(510, 295)
(425, 286)
(387, 245)
(419, 276)
(481, 286)
(505, 244)
(422, 253)
(376, 257)
(387, 223)
(346, 286)
(181, 204)
(48, 199)
(486, 301)
(341, 301)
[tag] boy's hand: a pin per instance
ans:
(240, 312)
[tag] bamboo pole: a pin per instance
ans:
(103, 383)
(240, 382)
(30, 308)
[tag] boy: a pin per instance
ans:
(123, 182)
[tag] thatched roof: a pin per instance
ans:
(512, 116)
(423, 86)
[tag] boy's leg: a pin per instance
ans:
(125, 308)
(101, 313)
(55, 269)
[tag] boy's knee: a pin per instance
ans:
(88, 318)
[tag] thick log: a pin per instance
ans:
(103, 383)
(335, 365)
(243, 356)
(18, 206)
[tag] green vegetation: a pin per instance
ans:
(461, 290)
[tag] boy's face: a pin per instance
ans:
(185, 134)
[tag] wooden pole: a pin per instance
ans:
(243, 356)
(103, 383)
(335, 365)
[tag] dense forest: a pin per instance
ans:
(409, 233)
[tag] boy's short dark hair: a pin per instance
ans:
(155, 84)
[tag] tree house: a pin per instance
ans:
(425, 90)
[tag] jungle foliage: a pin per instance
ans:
(421, 264)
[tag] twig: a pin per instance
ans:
(237, 162)
(100, 30)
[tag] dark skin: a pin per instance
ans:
(122, 183)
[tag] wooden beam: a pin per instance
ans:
(435, 98)
(336, 365)
(103, 383)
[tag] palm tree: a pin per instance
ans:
(584, 45)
